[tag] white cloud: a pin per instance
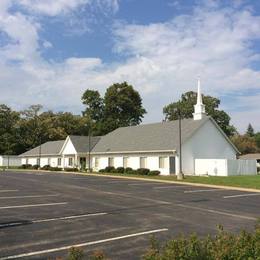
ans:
(162, 60)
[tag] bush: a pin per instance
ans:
(25, 166)
(98, 255)
(120, 170)
(71, 169)
(128, 170)
(224, 245)
(143, 171)
(102, 170)
(76, 254)
(110, 169)
(55, 169)
(36, 166)
(46, 167)
(154, 173)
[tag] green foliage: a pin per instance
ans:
(142, 171)
(98, 255)
(245, 143)
(250, 131)
(110, 169)
(25, 166)
(35, 166)
(46, 167)
(71, 169)
(129, 170)
(120, 170)
(154, 173)
(121, 106)
(76, 253)
(186, 106)
(224, 245)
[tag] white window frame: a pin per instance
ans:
(143, 162)
(70, 161)
(125, 162)
(111, 159)
(162, 162)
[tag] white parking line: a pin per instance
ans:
(8, 191)
(29, 196)
(168, 187)
(83, 244)
(53, 219)
(34, 205)
(70, 217)
(242, 195)
(194, 191)
(217, 212)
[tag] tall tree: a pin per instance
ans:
(8, 130)
(121, 106)
(245, 143)
(250, 130)
(186, 106)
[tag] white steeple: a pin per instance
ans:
(199, 108)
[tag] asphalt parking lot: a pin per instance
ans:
(43, 214)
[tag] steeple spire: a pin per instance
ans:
(199, 108)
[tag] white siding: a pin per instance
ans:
(69, 148)
(224, 167)
(134, 162)
(13, 160)
(207, 143)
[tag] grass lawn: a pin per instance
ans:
(236, 181)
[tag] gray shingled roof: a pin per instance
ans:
(254, 156)
(150, 137)
(49, 148)
(81, 143)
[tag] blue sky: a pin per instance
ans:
(51, 51)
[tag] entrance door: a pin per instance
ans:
(82, 162)
(172, 165)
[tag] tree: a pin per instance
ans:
(121, 106)
(186, 105)
(250, 130)
(244, 143)
(8, 130)
(257, 140)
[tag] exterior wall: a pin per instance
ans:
(13, 160)
(69, 148)
(50, 160)
(133, 161)
(224, 167)
(207, 143)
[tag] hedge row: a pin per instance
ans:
(47, 168)
(128, 170)
(224, 245)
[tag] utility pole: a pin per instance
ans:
(40, 153)
(180, 174)
(89, 148)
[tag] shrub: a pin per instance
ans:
(110, 169)
(224, 245)
(71, 169)
(102, 170)
(46, 167)
(36, 166)
(154, 173)
(143, 171)
(26, 166)
(75, 254)
(120, 170)
(98, 255)
(128, 170)
(55, 169)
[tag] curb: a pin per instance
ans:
(147, 179)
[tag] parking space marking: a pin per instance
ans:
(34, 205)
(84, 244)
(70, 217)
(8, 191)
(241, 195)
(194, 191)
(29, 196)
(217, 212)
(168, 187)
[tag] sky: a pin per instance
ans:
(52, 51)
